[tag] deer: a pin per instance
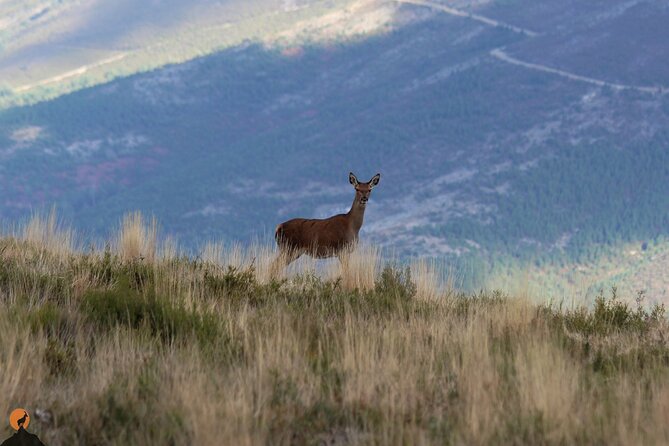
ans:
(335, 236)
(21, 421)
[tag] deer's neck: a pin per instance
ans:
(356, 215)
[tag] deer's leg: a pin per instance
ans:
(277, 265)
(343, 264)
(344, 257)
(284, 258)
(291, 256)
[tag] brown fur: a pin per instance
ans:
(319, 238)
(323, 238)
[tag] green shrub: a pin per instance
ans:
(60, 358)
(584, 333)
(27, 282)
(465, 304)
(105, 270)
(123, 305)
(612, 314)
(60, 327)
(395, 283)
(232, 283)
(141, 275)
(128, 411)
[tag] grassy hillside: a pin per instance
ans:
(135, 344)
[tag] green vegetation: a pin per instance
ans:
(126, 306)
(177, 350)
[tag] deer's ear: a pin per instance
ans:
(352, 179)
(375, 180)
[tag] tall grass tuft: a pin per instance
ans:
(357, 270)
(136, 240)
(432, 281)
(48, 233)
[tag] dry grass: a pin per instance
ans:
(143, 346)
(48, 233)
(136, 240)
(358, 269)
(433, 281)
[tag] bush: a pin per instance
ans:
(232, 281)
(612, 314)
(123, 305)
(60, 327)
(395, 283)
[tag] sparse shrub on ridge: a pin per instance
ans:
(610, 315)
(396, 282)
(141, 309)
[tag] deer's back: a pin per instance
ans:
(318, 237)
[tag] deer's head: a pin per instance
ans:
(362, 190)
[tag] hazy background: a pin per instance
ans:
(523, 142)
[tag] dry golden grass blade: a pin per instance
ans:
(169, 250)
(136, 240)
(549, 384)
(22, 370)
(48, 233)
(358, 269)
(427, 278)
